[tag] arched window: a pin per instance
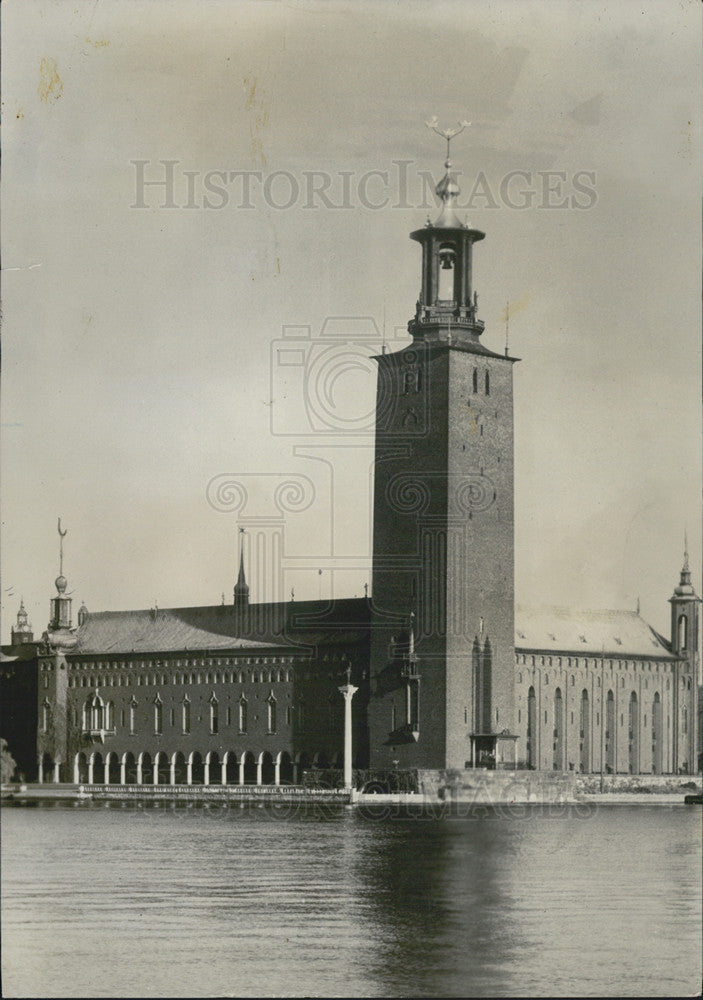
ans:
(488, 383)
(633, 733)
(158, 716)
(185, 715)
(531, 728)
(585, 733)
(46, 716)
(133, 715)
(558, 744)
(271, 706)
(610, 735)
(683, 631)
(657, 734)
(93, 713)
(475, 380)
(109, 716)
(243, 713)
(214, 715)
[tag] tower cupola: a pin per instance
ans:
(447, 307)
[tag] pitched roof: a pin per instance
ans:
(263, 626)
(344, 622)
(615, 633)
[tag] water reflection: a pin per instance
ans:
(165, 900)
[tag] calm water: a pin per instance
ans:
(112, 901)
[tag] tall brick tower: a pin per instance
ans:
(442, 655)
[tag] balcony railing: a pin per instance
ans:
(98, 735)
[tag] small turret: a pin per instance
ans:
(22, 630)
(685, 613)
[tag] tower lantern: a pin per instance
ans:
(447, 306)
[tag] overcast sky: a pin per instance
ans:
(139, 338)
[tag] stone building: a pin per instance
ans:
(450, 674)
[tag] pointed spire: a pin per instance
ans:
(685, 570)
(241, 590)
(685, 588)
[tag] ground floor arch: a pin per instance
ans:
(196, 768)
(162, 769)
(285, 770)
(179, 771)
(112, 768)
(247, 769)
(128, 769)
(80, 769)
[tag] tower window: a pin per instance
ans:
(683, 631)
(475, 380)
(488, 384)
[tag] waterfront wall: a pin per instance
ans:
(590, 784)
(457, 785)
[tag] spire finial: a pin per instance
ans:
(241, 590)
(62, 535)
(685, 552)
(446, 133)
